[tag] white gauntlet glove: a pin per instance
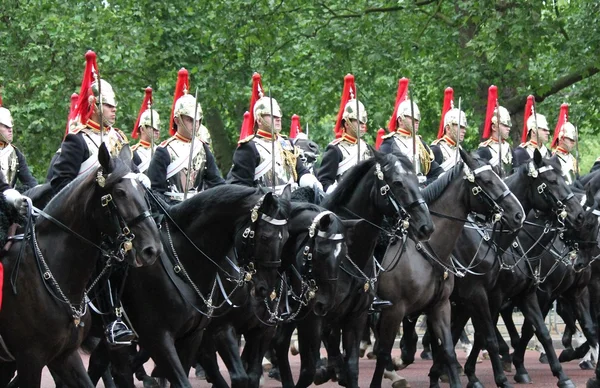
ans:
(17, 200)
(309, 180)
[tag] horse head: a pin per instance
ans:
(549, 191)
(397, 192)
(124, 215)
(490, 195)
(588, 238)
(263, 241)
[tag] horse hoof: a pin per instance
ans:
(543, 358)
(294, 348)
(567, 355)
(402, 383)
(371, 356)
(398, 363)
(505, 384)
(586, 365)
(485, 355)
(475, 384)
(566, 384)
(506, 367)
(592, 383)
(426, 355)
(150, 382)
(523, 378)
(321, 376)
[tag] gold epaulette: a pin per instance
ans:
(78, 128)
(125, 138)
(336, 141)
(428, 149)
(389, 135)
(135, 147)
(166, 142)
(485, 143)
(437, 141)
(524, 145)
(246, 139)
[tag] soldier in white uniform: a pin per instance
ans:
(342, 154)
(400, 140)
(253, 161)
(168, 171)
(12, 161)
(496, 146)
(444, 149)
(564, 143)
(147, 127)
(537, 135)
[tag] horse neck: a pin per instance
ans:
(447, 231)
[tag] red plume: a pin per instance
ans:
(348, 93)
(146, 104)
(563, 117)
(246, 129)
(526, 114)
(85, 104)
(492, 103)
(295, 127)
(72, 108)
(448, 100)
(401, 95)
(181, 88)
(257, 92)
(379, 139)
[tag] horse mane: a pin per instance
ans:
(433, 191)
(193, 208)
(347, 186)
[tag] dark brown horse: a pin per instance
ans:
(44, 317)
(420, 276)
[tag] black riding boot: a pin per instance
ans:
(116, 330)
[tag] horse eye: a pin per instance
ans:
(120, 193)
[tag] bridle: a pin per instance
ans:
(492, 203)
(558, 204)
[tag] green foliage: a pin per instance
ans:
(303, 49)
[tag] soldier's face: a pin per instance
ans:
(567, 144)
(109, 114)
(504, 131)
(543, 135)
(406, 123)
(187, 127)
(454, 130)
(265, 123)
(147, 134)
(6, 132)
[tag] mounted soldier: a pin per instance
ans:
(309, 150)
(343, 153)
(265, 158)
(406, 113)
(12, 161)
(451, 133)
(79, 149)
(563, 143)
(183, 165)
(147, 128)
(535, 135)
(91, 124)
(496, 149)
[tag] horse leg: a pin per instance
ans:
(366, 338)
(226, 344)
(580, 300)
(335, 361)
(513, 332)
(531, 310)
(99, 362)
(389, 322)
(408, 344)
(259, 341)
(567, 313)
(351, 334)
(69, 368)
(309, 350)
(281, 344)
(163, 352)
(439, 324)
(503, 349)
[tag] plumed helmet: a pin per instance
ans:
(6, 117)
(350, 111)
(404, 110)
(154, 121)
(502, 112)
(186, 106)
(263, 107)
(108, 94)
(542, 123)
(568, 130)
(452, 117)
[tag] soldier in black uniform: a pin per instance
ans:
(252, 160)
(168, 171)
(12, 161)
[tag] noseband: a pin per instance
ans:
(559, 204)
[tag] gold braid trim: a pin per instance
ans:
(289, 158)
(426, 157)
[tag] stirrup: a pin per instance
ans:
(118, 334)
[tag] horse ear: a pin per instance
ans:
(537, 158)
(287, 192)
(467, 159)
(104, 157)
(355, 229)
(125, 155)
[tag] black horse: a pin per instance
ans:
(378, 187)
(538, 185)
(99, 216)
(310, 267)
(215, 242)
(420, 277)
